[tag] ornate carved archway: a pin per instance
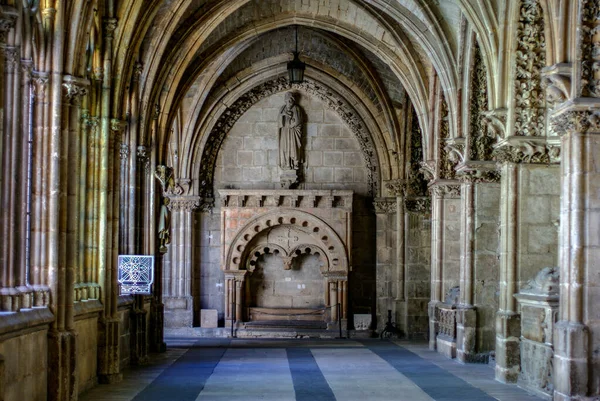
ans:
(321, 223)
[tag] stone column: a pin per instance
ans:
(577, 333)
(234, 296)
(385, 210)
(177, 274)
(479, 246)
(445, 250)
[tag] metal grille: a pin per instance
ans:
(136, 274)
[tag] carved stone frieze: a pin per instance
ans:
(479, 176)
(418, 205)
(385, 205)
(230, 116)
(446, 190)
(590, 51)
(580, 121)
(183, 203)
(522, 152)
(530, 110)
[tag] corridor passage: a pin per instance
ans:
(304, 370)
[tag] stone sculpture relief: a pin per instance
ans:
(290, 141)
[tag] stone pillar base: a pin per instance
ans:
(466, 334)
(508, 347)
(446, 346)
(109, 352)
(62, 368)
(157, 312)
(178, 312)
(571, 352)
(433, 325)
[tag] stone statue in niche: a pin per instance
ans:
(164, 236)
(290, 140)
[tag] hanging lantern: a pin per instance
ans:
(296, 67)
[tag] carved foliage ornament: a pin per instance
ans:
(576, 121)
(230, 116)
(590, 63)
(417, 185)
(184, 203)
(446, 190)
(385, 205)
(527, 152)
(418, 205)
(480, 142)
(530, 111)
(447, 160)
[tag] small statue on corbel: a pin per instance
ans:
(290, 141)
(164, 225)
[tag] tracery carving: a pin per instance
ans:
(385, 205)
(230, 116)
(480, 143)
(590, 64)
(530, 107)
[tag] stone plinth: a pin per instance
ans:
(209, 318)
(539, 306)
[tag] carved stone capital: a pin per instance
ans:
(478, 171)
(418, 205)
(590, 49)
(580, 121)
(40, 84)
(445, 190)
(12, 57)
(8, 17)
(396, 187)
(74, 89)
(385, 205)
(143, 157)
(109, 25)
(183, 203)
(124, 151)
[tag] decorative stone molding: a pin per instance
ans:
(478, 172)
(445, 190)
(230, 116)
(590, 54)
(418, 205)
(183, 203)
(530, 111)
(286, 198)
(385, 205)
(428, 169)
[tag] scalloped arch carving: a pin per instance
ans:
(325, 241)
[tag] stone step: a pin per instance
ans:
(285, 324)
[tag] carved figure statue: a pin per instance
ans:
(290, 134)
(164, 225)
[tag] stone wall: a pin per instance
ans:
(451, 244)
(87, 351)
(248, 159)
(25, 366)
(418, 273)
(539, 208)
